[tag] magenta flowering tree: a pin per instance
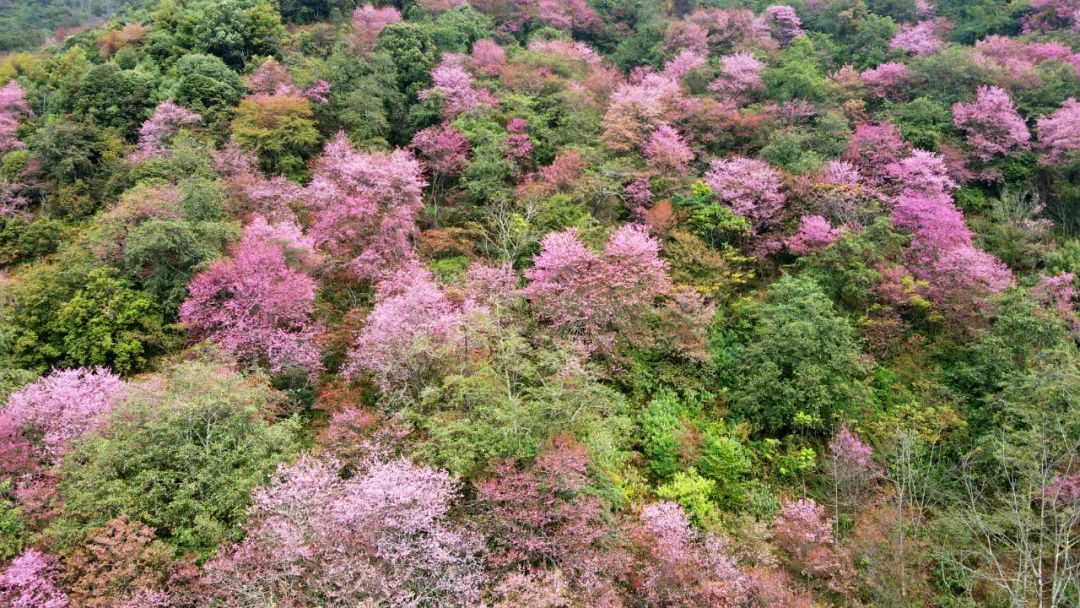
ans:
(406, 333)
(667, 152)
(803, 532)
(454, 85)
(918, 39)
(258, 301)
(592, 294)
(874, 148)
(65, 405)
(32, 580)
(750, 187)
(156, 132)
(381, 538)
(993, 126)
(1057, 292)
(1059, 133)
(368, 21)
(923, 172)
(685, 569)
(815, 232)
(851, 468)
(487, 57)
(364, 206)
(740, 74)
(682, 64)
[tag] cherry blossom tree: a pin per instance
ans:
(804, 533)
(572, 15)
(740, 73)
(31, 580)
(364, 207)
(454, 85)
(487, 57)
(750, 187)
(993, 126)
(783, 23)
(65, 405)
(682, 64)
(381, 538)
(1059, 133)
(918, 39)
(443, 150)
(368, 21)
(886, 80)
(255, 303)
(517, 146)
(667, 152)
(155, 133)
(13, 107)
(815, 232)
(637, 109)
(589, 293)
(874, 149)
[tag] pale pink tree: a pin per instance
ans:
(487, 57)
(271, 78)
(851, 468)
(517, 146)
(803, 532)
(454, 85)
(918, 39)
(1059, 133)
(411, 328)
(886, 80)
(592, 294)
(368, 21)
(363, 207)
(874, 149)
(783, 23)
(685, 569)
(667, 152)
(443, 150)
(155, 133)
(682, 64)
(923, 172)
(13, 100)
(381, 538)
(637, 108)
(32, 580)
(750, 187)
(571, 15)
(993, 126)
(65, 405)
(814, 233)
(740, 74)
(256, 304)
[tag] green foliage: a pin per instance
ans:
(280, 129)
(692, 492)
(661, 424)
(13, 528)
(796, 74)
(234, 30)
(923, 122)
(108, 323)
(803, 365)
(115, 98)
(206, 85)
(726, 461)
(455, 30)
(182, 456)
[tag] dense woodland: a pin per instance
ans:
(540, 304)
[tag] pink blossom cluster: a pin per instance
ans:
(571, 15)
(993, 126)
(271, 79)
(155, 133)
(65, 405)
(886, 80)
(363, 207)
(919, 39)
(1059, 133)
(32, 580)
(382, 537)
(257, 303)
(517, 146)
(487, 57)
(740, 74)
(782, 22)
(454, 85)
(667, 152)
(815, 232)
(13, 107)
(442, 149)
(750, 187)
(368, 21)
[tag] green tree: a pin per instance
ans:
(182, 455)
(803, 362)
(234, 30)
(279, 128)
(112, 97)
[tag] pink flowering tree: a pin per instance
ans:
(517, 146)
(570, 15)
(487, 57)
(408, 331)
(873, 149)
(1059, 133)
(740, 74)
(886, 80)
(992, 124)
(682, 64)
(363, 207)
(156, 132)
(368, 21)
(750, 187)
(593, 294)
(803, 532)
(852, 469)
(923, 172)
(667, 152)
(815, 232)
(683, 568)
(271, 78)
(13, 108)
(32, 580)
(444, 151)
(64, 405)
(783, 23)
(258, 301)
(381, 538)
(918, 39)
(454, 85)
(638, 108)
